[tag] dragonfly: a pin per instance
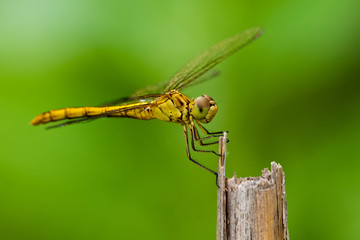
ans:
(164, 101)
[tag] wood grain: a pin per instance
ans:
(251, 207)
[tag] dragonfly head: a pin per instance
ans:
(204, 109)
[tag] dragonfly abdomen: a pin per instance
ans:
(131, 111)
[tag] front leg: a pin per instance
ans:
(188, 152)
(211, 135)
(194, 132)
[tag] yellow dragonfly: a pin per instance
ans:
(163, 101)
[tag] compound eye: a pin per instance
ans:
(201, 107)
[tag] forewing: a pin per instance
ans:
(132, 99)
(148, 94)
(193, 70)
(155, 89)
(212, 56)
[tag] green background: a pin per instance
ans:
(291, 96)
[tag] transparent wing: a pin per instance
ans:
(150, 90)
(212, 56)
(194, 69)
(143, 94)
(159, 87)
(132, 99)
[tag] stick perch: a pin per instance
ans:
(252, 207)
(221, 194)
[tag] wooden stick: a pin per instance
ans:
(221, 194)
(252, 207)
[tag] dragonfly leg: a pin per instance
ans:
(193, 137)
(206, 131)
(200, 140)
(211, 134)
(188, 152)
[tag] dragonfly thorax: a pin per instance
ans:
(204, 109)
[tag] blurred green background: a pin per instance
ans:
(291, 96)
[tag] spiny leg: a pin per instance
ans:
(206, 131)
(212, 134)
(193, 137)
(188, 152)
(200, 140)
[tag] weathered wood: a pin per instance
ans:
(252, 207)
(221, 194)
